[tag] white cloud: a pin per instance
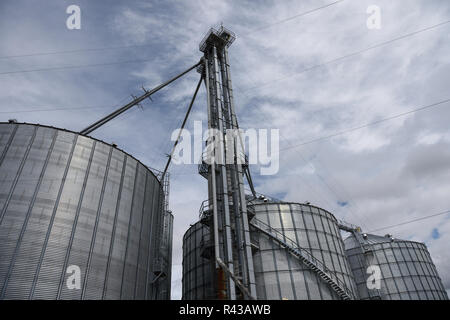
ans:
(388, 173)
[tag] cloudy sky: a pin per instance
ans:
(287, 73)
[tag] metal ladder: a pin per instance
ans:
(306, 258)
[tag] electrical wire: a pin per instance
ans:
(73, 51)
(56, 109)
(290, 18)
(366, 125)
(121, 47)
(379, 45)
(411, 221)
(76, 66)
(146, 45)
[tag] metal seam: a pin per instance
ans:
(8, 144)
(113, 232)
(52, 218)
(291, 209)
(273, 253)
(97, 218)
(129, 228)
(309, 249)
(18, 174)
(320, 248)
(75, 222)
(28, 214)
(140, 237)
(288, 258)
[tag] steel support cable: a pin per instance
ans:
(136, 101)
(339, 186)
(323, 197)
(182, 127)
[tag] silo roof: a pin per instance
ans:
(371, 239)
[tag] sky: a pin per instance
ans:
(320, 76)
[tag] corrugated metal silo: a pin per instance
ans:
(197, 273)
(407, 270)
(68, 199)
(280, 274)
(294, 246)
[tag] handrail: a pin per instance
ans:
(305, 254)
(204, 207)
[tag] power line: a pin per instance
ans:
(265, 84)
(146, 45)
(411, 221)
(56, 109)
(73, 51)
(379, 45)
(68, 108)
(76, 66)
(366, 125)
(291, 18)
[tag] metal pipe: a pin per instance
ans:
(232, 170)
(212, 171)
(235, 280)
(250, 181)
(182, 127)
(244, 215)
(136, 101)
(224, 177)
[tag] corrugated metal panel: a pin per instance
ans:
(68, 200)
(278, 273)
(197, 272)
(407, 270)
(282, 276)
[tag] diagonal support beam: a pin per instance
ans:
(182, 127)
(235, 279)
(136, 101)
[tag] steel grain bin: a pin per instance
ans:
(294, 245)
(407, 270)
(197, 282)
(314, 233)
(67, 201)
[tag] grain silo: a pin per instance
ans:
(70, 201)
(298, 254)
(407, 270)
(198, 282)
